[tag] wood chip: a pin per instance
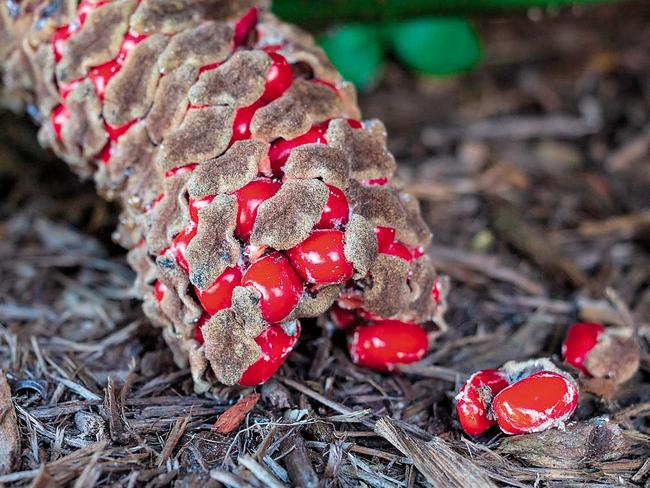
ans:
(439, 464)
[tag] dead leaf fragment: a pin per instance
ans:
(231, 418)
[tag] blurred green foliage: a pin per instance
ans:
(429, 45)
(431, 37)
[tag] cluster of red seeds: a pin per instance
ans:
(520, 398)
(281, 277)
(529, 400)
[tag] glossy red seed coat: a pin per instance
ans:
(385, 237)
(278, 78)
(320, 258)
(241, 127)
(276, 344)
(279, 285)
(383, 345)
(159, 290)
(197, 204)
(398, 249)
(376, 181)
(59, 117)
(249, 198)
(188, 168)
(343, 318)
(218, 295)
(581, 338)
(280, 149)
(244, 26)
(535, 403)
(114, 133)
(179, 246)
(336, 211)
(471, 407)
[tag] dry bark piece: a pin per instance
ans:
(302, 105)
(320, 161)
(84, 135)
(365, 148)
(129, 94)
(170, 102)
(229, 347)
(227, 173)
(582, 444)
(172, 16)
(238, 82)
(438, 462)
(203, 135)
(389, 292)
(97, 42)
(615, 358)
(285, 219)
(207, 43)
(214, 248)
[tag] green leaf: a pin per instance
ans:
(356, 51)
(436, 45)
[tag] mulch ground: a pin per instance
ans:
(533, 172)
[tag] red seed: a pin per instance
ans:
(241, 127)
(386, 344)
(114, 133)
(102, 74)
(179, 245)
(355, 124)
(279, 285)
(60, 36)
(281, 148)
(276, 342)
(385, 236)
(159, 290)
(435, 292)
(343, 318)
(321, 258)
(244, 26)
(218, 295)
(105, 154)
(376, 181)
(278, 78)
(398, 249)
(581, 338)
(535, 403)
(59, 117)
(474, 399)
(197, 204)
(188, 168)
(336, 210)
(249, 198)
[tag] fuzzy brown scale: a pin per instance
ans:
(172, 104)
